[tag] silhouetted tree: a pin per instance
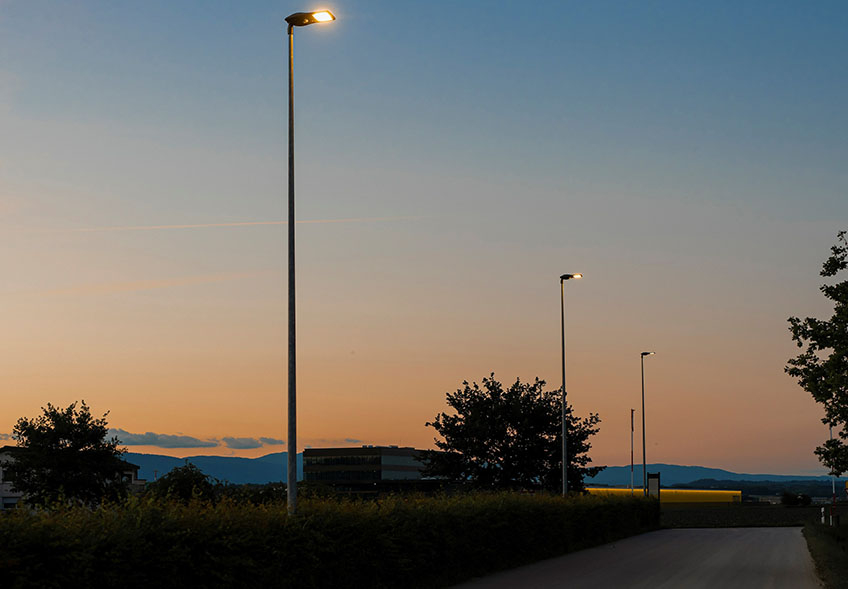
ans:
(510, 438)
(63, 454)
(822, 369)
(184, 483)
(790, 498)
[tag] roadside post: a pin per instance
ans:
(654, 485)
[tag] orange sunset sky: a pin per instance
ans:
(689, 162)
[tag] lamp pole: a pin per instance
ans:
(644, 463)
(632, 411)
(298, 19)
(832, 481)
(562, 280)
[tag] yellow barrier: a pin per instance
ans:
(678, 495)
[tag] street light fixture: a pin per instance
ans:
(644, 464)
(301, 19)
(562, 280)
(298, 19)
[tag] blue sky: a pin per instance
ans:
(687, 157)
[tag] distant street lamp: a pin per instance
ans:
(644, 463)
(562, 280)
(832, 480)
(298, 19)
(632, 411)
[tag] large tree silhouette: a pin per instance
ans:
(63, 454)
(822, 369)
(510, 438)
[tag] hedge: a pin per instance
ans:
(397, 541)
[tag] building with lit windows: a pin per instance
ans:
(367, 469)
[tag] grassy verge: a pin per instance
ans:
(829, 549)
(398, 541)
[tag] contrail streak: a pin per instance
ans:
(136, 285)
(241, 224)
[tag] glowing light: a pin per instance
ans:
(323, 16)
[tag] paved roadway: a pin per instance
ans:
(726, 558)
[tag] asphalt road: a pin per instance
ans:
(725, 558)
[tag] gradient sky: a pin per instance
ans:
(687, 157)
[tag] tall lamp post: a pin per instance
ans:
(632, 411)
(562, 280)
(644, 463)
(832, 480)
(298, 19)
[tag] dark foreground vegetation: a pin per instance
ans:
(829, 549)
(396, 541)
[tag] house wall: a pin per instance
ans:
(8, 497)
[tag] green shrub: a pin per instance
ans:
(400, 540)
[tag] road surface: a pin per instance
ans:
(725, 558)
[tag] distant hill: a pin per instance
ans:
(265, 469)
(673, 474)
(272, 468)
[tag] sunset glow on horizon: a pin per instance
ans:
(689, 161)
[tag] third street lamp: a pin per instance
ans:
(644, 464)
(298, 19)
(562, 280)
(632, 411)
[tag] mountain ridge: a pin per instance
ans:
(674, 474)
(272, 468)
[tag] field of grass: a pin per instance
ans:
(740, 515)
(397, 541)
(829, 549)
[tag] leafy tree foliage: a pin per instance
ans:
(185, 483)
(510, 438)
(822, 369)
(790, 498)
(63, 454)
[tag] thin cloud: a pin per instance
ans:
(272, 441)
(180, 441)
(241, 443)
(241, 224)
(153, 284)
(330, 442)
(161, 440)
(5, 437)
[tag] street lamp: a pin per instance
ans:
(298, 19)
(632, 411)
(832, 479)
(644, 464)
(562, 280)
